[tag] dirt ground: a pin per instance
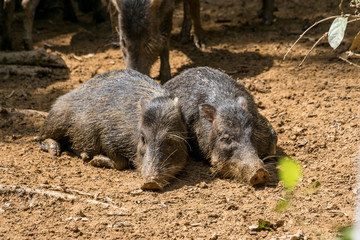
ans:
(315, 111)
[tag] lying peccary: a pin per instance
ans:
(118, 118)
(224, 124)
(145, 28)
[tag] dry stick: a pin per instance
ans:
(317, 42)
(27, 112)
(321, 38)
(63, 196)
(354, 20)
(349, 62)
(66, 190)
(323, 20)
(351, 54)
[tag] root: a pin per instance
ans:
(64, 196)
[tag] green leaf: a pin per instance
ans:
(337, 31)
(290, 172)
(263, 226)
(345, 233)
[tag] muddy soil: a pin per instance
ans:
(315, 111)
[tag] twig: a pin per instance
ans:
(321, 38)
(354, 20)
(318, 22)
(351, 63)
(340, 7)
(283, 199)
(351, 54)
(66, 190)
(10, 95)
(63, 196)
(26, 111)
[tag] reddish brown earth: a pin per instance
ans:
(315, 111)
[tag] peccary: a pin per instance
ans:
(120, 118)
(145, 28)
(7, 8)
(224, 124)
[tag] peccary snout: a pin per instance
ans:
(152, 184)
(260, 176)
(243, 164)
(161, 152)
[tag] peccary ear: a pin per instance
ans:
(208, 111)
(242, 102)
(116, 4)
(155, 5)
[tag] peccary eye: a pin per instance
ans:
(225, 139)
(123, 42)
(142, 139)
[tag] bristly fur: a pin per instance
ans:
(104, 117)
(223, 122)
(139, 25)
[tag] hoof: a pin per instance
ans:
(51, 146)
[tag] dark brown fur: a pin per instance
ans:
(145, 28)
(224, 123)
(118, 118)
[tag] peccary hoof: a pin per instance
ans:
(261, 176)
(152, 186)
(51, 146)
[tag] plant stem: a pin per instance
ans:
(323, 20)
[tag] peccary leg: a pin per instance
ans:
(195, 16)
(186, 25)
(29, 7)
(103, 161)
(164, 64)
(267, 11)
(51, 146)
(6, 21)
